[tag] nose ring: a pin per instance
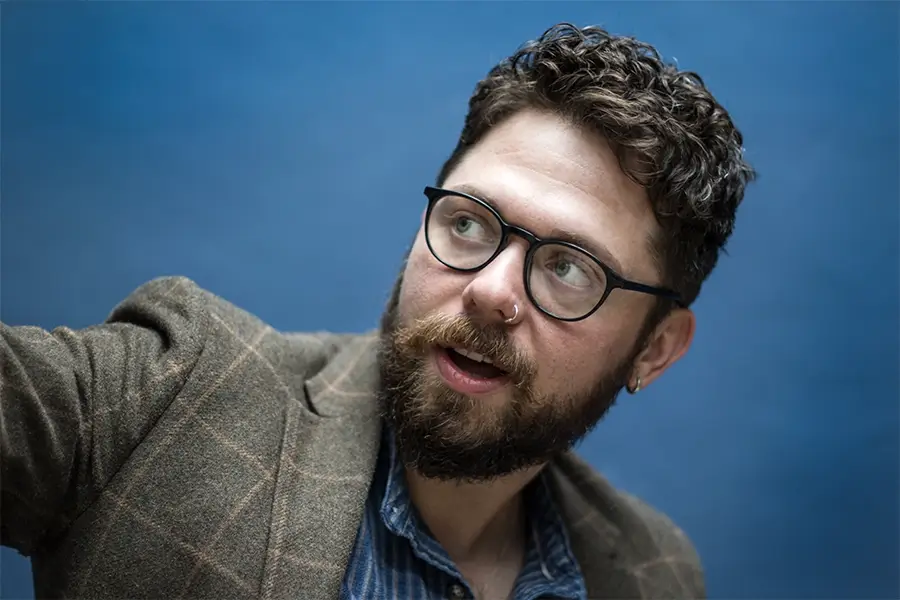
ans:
(513, 318)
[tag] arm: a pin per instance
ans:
(74, 404)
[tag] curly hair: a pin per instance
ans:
(670, 135)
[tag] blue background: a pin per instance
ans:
(276, 153)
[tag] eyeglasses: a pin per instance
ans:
(562, 280)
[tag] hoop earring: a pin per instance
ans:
(637, 386)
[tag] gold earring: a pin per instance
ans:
(637, 386)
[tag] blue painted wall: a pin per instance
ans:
(276, 153)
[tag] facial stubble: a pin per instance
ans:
(446, 435)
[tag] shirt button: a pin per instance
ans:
(455, 592)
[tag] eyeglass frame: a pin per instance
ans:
(613, 279)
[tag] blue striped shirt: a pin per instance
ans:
(396, 557)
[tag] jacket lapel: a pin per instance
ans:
(592, 521)
(327, 462)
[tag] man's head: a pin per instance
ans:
(637, 172)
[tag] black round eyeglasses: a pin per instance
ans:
(562, 279)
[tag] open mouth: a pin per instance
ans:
(468, 372)
(474, 364)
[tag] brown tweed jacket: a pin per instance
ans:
(185, 449)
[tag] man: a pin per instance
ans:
(185, 449)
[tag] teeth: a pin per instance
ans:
(474, 355)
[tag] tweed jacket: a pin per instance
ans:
(185, 449)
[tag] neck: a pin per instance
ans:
(473, 520)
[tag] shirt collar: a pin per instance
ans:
(548, 550)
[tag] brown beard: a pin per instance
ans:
(446, 435)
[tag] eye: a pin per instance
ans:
(469, 227)
(570, 270)
(571, 273)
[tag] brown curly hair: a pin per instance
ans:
(670, 135)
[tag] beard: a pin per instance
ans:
(446, 435)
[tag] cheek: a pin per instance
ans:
(567, 367)
(425, 283)
(574, 359)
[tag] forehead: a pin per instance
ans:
(545, 174)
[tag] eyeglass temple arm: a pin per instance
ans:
(649, 289)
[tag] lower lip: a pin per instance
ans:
(464, 382)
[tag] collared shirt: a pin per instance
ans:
(396, 557)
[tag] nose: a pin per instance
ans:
(496, 292)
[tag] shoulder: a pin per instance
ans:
(647, 543)
(177, 306)
(667, 540)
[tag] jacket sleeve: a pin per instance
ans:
(75, 404)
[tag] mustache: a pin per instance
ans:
(488, 339)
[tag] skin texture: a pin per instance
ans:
(548, 176)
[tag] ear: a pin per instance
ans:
(668, 342)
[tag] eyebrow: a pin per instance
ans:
(595, 248)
